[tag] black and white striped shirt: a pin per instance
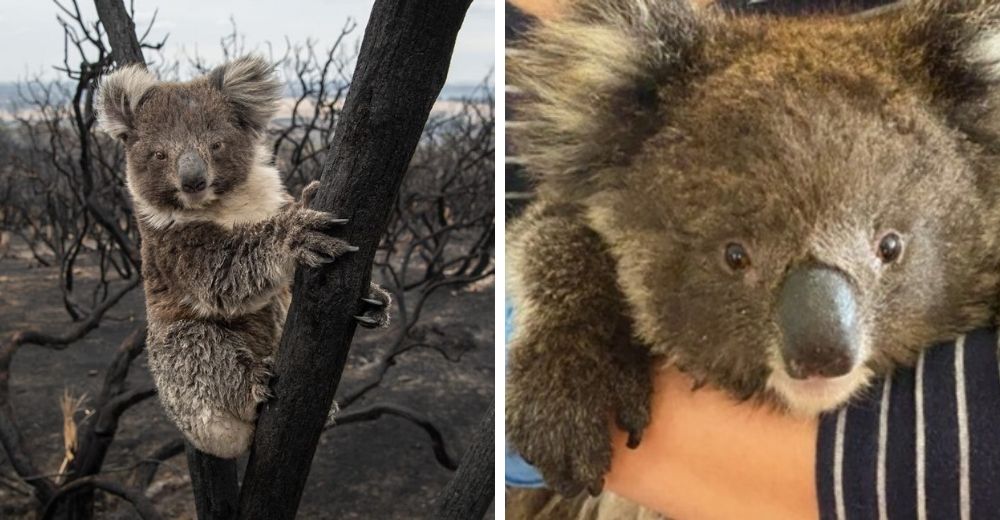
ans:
(924, 443)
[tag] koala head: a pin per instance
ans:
(794, 204)
(189, 145)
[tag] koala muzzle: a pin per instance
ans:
(818, 317)
(193, 172)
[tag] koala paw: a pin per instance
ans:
(632, 414)
(331, 415)
(561, 404)
(375, 308)
(260, 386)
(559, 424)
(633, 391)
(568, 444)
(307, 237)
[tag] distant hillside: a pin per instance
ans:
(8, 92)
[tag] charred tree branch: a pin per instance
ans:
(145, 472)
(374, 412)
(470, 492)
(215, 485)
(135, 497)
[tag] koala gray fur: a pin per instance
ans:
(220, 240)
(661, 135)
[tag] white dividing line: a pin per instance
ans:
(883, 440)
(838, 465)
(963, 430)
(921, 490)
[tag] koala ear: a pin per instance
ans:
(251, 88)
(954, 45)
(592, 81)
(118, 97)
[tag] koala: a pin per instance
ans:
(783, 208)
(220, 241)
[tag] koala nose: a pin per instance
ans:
(192, 172)
(818, 317)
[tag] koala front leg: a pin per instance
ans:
(230, 272)
(305, 227)
(573, 367)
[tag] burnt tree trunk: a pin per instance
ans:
(470, 492)
(400, 70)
(215, 485)
(118, 24)
(213, 480)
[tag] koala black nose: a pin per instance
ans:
(818, 317)
(193, 185)
(192, 172)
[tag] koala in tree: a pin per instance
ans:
(220, 240)
(784, 208)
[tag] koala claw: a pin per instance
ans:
(325, 220)
(632, 422)
(596, 488)
(352, 249)
(374, 309)
(308, 193)
(367, 322)
(634, 438)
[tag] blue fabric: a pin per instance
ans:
(947, 397)
(517, 472)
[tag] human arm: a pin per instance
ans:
(706, 456)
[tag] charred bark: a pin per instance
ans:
(470, 492)
(401, 68)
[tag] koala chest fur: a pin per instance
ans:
(180, 289)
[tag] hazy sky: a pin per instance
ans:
(32, 40)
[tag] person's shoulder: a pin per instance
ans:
(882, 455)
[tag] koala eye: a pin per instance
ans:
(216, 146)
(736, 257)
(890, 247)
(159, 155)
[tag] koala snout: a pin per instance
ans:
(818, 318)
(193, 173)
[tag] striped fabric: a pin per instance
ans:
(923, 444)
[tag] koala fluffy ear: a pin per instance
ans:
(954, 46)
(118, 97)
(251, 88)
(592, 80)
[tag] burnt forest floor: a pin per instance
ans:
(383, 469)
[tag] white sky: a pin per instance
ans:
(32, 40)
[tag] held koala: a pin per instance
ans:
(784, 208)
(220, 241)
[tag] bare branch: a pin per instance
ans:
(373, 412)
(135, 497)
(146, 470)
